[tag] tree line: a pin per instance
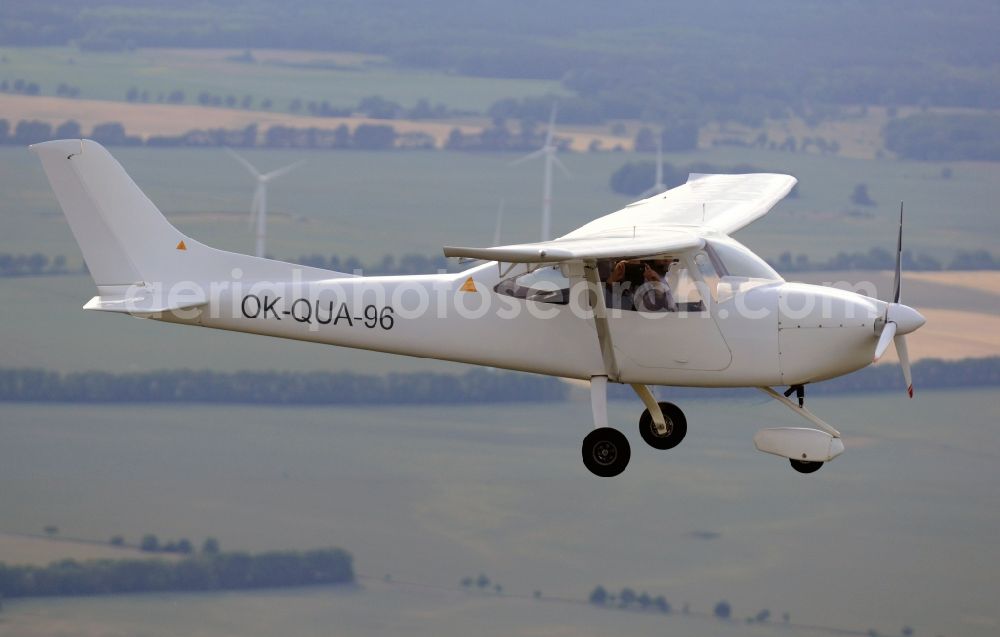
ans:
(278, 388)
(343, 137)
(34, 264)
(361, 137)
(203, 572)
(952, 137)
(635, 177)
(27, 87)
(372, 106)
(475, 386)
(617, 73)
(629, 599)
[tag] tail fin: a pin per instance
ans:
(126, 240)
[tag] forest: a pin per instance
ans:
(202, 572)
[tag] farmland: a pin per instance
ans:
(281, 76)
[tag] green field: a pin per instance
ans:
(370, 203)
(429, 495)
(108, 76)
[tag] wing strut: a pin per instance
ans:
(595, 297)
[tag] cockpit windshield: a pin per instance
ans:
(732, 258)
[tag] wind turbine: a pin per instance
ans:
(258, 207)
(548, 151)
(659, 186)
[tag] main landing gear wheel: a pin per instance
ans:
(606, 452)
(676, 427)
(805, 466)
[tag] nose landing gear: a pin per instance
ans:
(806, 449)
(805, 466)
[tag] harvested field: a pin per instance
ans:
(980, 280)
(953, 335)
(146, 120)
(40, 551)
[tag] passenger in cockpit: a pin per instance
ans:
(654, 294)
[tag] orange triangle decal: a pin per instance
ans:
(181, 246)
(468, 286)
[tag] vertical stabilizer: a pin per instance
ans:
(124, 238)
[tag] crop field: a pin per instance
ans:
(146, 120)
(33, 549)
(373, 203)
(429, 495)
(342, 79)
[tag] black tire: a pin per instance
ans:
(805, 466)
(606, 452)
(677, 427)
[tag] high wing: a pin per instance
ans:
(606, 246)
(668, 222)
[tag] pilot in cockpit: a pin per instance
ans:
(639, 285)
(654, 295)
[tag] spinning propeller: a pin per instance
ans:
(899, 319)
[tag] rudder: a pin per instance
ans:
(124, 238)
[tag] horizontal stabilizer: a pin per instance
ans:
(142, 301)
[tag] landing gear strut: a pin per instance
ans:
(675, 431)
(606, 451)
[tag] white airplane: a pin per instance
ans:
(705, 310)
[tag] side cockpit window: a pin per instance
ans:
(544, 285)
(661, 284)
(650, 285)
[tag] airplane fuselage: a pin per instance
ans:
(755, 333)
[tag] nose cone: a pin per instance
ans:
(906, 318)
